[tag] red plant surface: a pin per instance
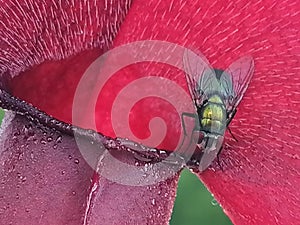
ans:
(51, 48)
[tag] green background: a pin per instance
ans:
(194, 205)
(1, 115)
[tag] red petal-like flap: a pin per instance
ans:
(260, 181)
(261, 170)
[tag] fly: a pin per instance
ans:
(216, 95)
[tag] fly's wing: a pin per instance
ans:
(234, 81)
(200, 76)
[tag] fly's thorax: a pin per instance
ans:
(212, 115)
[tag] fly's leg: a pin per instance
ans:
(218, 158)
(191, 115)
(232, 134)
(233, 112)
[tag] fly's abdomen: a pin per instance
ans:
(213, 118)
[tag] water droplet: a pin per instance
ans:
(153, 201)
(21, 178)
(20, 156)
(70, 157)
(27, 130)
(35, 141)
(73, 192)
(111, 144)
(49, 139)
(17, 133)
(214, 202)
(58, 139)
(12, 168)
(76, 161)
